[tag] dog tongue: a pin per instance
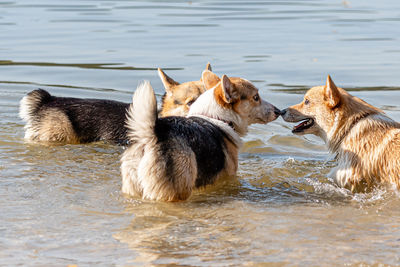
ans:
(300, 125)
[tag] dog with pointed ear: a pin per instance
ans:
(331, 93)
(169, 157)
(317, 113)
(179, 97)
(234, 98)
(66, 120)
(365, 140)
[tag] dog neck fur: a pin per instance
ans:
(351, 113)
(207, 106)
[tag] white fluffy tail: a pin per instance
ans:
(31, 103)
(142, 114)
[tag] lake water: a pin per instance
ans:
(62, 205)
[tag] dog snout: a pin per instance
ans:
(283, 112)
(277, 111)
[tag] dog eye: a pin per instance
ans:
(189, 103)
(306, 101)
(256, 98)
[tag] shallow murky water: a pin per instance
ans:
(62, 205)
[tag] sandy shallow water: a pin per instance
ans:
(62, 205)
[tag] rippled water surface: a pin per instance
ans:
(62, 205)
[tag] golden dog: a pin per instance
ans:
(365, 140)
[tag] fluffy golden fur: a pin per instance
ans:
(366, 141)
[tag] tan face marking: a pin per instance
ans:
(179, 101)
(317, 111)
(179, 97)
(241, 96)
(315, 116)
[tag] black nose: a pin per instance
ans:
(283, 111)
(277, 111)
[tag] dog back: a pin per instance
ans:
(94, 119)
(205, 139)
(64, 119)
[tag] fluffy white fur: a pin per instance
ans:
(142, 167)
(207, 106)
(26, 106)
(142, 114)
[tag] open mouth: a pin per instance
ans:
(304, 124)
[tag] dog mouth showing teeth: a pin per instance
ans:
(305, 124)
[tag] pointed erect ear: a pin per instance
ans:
(331, 93)
(208, 67)
(209, 79)
(229, 92)
(168, 82)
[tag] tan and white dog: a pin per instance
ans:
(365, 140)
(169, 157)
(67, 120)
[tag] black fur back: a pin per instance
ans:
(92, 119)
(204, 138)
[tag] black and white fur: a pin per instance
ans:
(72, 120)
(66, 120)
(169, 157)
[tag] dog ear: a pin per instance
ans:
(331, 93)
(208, 67)
(229, 92)
(209, 79)
(167, 81)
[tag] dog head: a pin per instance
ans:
(233, 100)
(179, 97)
(324, 110)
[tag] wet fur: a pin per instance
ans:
(366, 141)
(51, 119)
(72, 120)
(170, 157)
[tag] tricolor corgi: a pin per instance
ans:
(169, 157)
(67, 120)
